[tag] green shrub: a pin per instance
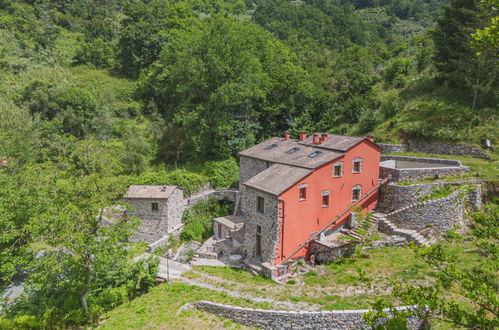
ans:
(223, 174)
(198, 224)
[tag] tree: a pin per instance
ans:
(456, 61)
(223, 84)
(473, 303)
(53, 228)
(487, 38)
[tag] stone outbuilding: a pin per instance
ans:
(159, 207)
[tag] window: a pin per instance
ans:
(325, 198)
(314, 154)
(292, 150)
(303, 191)
(272, 146)
(356, 192)
(338, 169)
(357, 165)
(260, 204)
(154, 207)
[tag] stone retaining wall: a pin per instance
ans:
(443, 167)
(387, 148)
(324, 254)
(393, 197)
(439, 148)
(439, 214)
(273, 319)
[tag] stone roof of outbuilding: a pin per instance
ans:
(153, 192)
(230, 220)
(277, 178)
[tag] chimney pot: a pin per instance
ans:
(315, 138)
(323, 138)
(303, 136)
(286, 135)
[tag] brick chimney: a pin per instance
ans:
(315, 138)
(286, 135)
(323, 138)
(370, 138)
(303, 136)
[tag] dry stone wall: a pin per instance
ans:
(393, 197)
(439, 148)
(324, 254)
(272, 319)
(440, 214)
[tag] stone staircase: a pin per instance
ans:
(353, 233)
(388, 227)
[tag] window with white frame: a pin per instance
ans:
(325, 198)
(357, 165)
(356, 192)
(303, 192)
(338, 169)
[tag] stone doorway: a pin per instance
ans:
(258, 241)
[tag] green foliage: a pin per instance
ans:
(398, 71)
(97, 52)
(473, 303)
(223, 174)
(198, 224)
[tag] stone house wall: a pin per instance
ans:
(273, 319)
(156, 224)
(268, 221)
(175, 209)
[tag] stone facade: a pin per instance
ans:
(272, 319)
(267, 220)
(438, 148)
(157, 224)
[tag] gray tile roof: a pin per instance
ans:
(336, 142)
(300, 158)
(154, 192)
(277, 178)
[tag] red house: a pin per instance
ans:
(292, 188)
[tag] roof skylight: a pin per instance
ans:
(294, 149)
(272, 146)
(314, 154)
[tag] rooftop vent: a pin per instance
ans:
(314, 154)
(295, 149)
(272, 146)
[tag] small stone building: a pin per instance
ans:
(159, 207)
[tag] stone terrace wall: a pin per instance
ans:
(439, 148)
(442, 214)
(393, 197)
(452, 167)
(272, 319)
(387, 148)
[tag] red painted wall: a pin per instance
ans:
(304, 217)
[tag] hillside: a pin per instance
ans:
(98, 95)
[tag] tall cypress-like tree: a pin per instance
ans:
(455, 60)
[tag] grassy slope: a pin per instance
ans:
(158, 308)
